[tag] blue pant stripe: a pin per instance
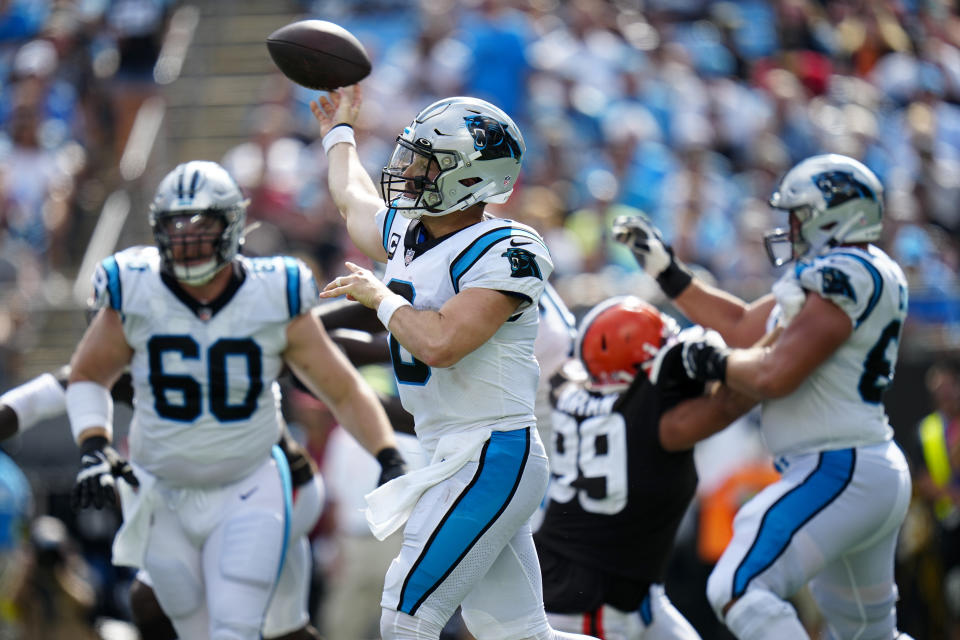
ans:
(286, 483)
(646, 610)
(793, 510)
(492, 488)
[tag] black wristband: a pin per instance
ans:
(675, 278)
(389, 456)
(94, 443)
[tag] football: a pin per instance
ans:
(318, 54)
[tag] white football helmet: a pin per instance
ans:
(457, 152)
(189, 198)
(832, 200)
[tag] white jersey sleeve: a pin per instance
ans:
(846, 280)
(106, 280)
(512, 259)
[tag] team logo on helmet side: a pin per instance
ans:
(838, 187)
(491, 138)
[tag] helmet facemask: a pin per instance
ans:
(784, 245)
(410, 181)
(194, 246)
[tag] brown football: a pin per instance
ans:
(318, 54)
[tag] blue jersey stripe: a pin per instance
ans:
(113, 282)
(793, 510)
(502, 463)
(877, 284)
(286, 483)
(387, 225)
(469, 256)
(293, 286)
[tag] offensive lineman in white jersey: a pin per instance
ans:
(460, 302)
(833, 518)
(205, 332)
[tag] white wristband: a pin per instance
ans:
(36, 400)
(89, 405)
(388, 306)
(340, 133)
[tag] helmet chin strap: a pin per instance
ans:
(836, 237)
(481, 194)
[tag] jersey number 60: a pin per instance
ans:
(190, 390)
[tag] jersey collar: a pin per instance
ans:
(206, 311)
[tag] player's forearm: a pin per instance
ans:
(429, 337)
(361, 414)
(348, 181)
(757, 373)
(699, 418)
(740, 323)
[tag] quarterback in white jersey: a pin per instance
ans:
(460, 299)
(819, 375)
(204, 332)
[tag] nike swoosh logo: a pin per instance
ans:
(515, 243)
(244, 496)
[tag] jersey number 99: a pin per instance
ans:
(590, 462)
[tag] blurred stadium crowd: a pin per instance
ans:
(686, 110)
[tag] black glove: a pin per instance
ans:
(99, 465)
(705, 358)
(392, 465)
(653, 255)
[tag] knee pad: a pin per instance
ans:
(148, 617)
(176, 588)
(848, 617)
(396, 625)
(759, 614)
(248, 539)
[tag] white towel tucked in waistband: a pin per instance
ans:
(389, 506)
(130, 544)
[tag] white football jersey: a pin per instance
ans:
(840, 404)
(495, 385)
(206, 401)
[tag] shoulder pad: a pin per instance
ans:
(846, 278)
